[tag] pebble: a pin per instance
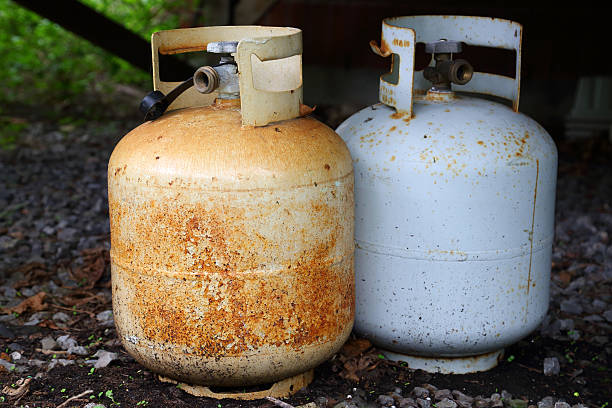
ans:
(385, 400)
(7, 365)
(65, 342)
(106, 318)
(407, 402)
(105, 358)
(551, 367)
(608, 315)
(59, 361)
(94, 405)
(459, 396)
(571, 306)
(61, 317)
(506, 396)
(49, 343)
(15, 355)
(423, 403)
(562, 404)
(420, 392)
(446, 403)
(546, 402)
(441, 394)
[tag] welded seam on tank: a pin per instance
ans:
(455, 256)
(535, 196)
(157, 272)
(200, 187)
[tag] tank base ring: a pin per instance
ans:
(280, 389)
(449, 365)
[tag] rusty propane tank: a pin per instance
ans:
(232, 218)
(455, 199)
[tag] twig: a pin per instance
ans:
(535, 370)
(74, 310)
(276, 402)
(84, 393)
(49, 352)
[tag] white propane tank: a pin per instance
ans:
(455, 199)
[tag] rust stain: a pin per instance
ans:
(397, 115)
(535, 195)
(383, 50)
(227, 302)
(392, 128)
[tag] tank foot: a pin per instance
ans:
(449, 365)
(281, 389)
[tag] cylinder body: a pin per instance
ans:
(232, 246)
(454, 226)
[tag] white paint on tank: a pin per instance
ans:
(454, 221)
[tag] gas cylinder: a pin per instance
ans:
(232, 219)
(455, 197)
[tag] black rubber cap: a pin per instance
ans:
(153, 105)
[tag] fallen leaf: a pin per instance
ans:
(354, 347)
(23, 385)
(33, 272)
(49, 324)
(34, 303)
(95, 261)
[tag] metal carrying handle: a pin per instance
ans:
(400, 35)
(255, 43)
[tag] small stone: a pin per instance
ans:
(65, 342)
(15, 355)
(385, 400)
(562, 404)
(608, 315)
(36, 362)
(48, 230)
(106, 318)
(61, 317)
(78, 350)
(517, 403)
(67, 234)
(321, 402)
(15, 347)
(431, 388)
(459, 396)
(309, 405)
(573, 334)
(571, 306)
(423, 403)
(48, 343)
(59, 361)
(104, 358)
(551, 367)
(407, 402)
(94, 405)
(546, 402)
(506, 396)
(495, 397)
(8, 366)
(441, 394)
(420, 392)
(464, 404)
(480, 402)
(446, 403)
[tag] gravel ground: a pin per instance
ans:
(56, 330)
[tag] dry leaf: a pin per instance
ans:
(94, 264)
(355, 347)
(23, 385)
(34, 303)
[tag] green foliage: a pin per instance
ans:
(41, 63)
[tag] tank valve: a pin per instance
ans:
(447, 70)
(206, 79)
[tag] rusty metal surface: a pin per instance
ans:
(231, 246)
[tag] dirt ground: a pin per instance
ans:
(55, 281)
